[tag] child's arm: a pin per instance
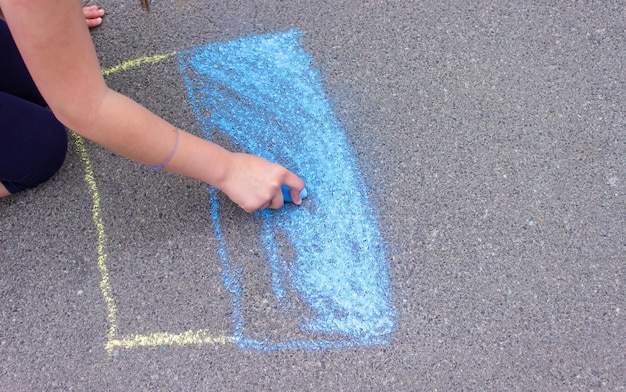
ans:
(56, 46)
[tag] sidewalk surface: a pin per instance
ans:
(465, 226)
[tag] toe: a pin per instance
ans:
(95, 22)
(93, 12)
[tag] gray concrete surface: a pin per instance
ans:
(492, 137)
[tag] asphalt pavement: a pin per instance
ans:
(476, 152)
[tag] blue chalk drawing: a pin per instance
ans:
(265, 95)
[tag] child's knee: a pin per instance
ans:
(54, 153)
(36, 159)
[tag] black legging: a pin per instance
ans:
(33, 143)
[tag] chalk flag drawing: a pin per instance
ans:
(263, 93)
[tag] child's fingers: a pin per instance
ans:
(296, 188)
(277, 202)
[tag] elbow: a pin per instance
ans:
(79, 114)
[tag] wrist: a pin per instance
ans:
(222, 167)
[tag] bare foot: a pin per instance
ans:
(3, 190)
(93, 15)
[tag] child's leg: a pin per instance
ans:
(14, 77)
(33, 143)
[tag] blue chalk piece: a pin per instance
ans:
(287, 196)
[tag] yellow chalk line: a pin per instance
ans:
(126, 65)
(105, 284)
(133, 341)
(168, 339)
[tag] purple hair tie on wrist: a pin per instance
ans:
(161, 166)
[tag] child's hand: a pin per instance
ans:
(255, 183)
